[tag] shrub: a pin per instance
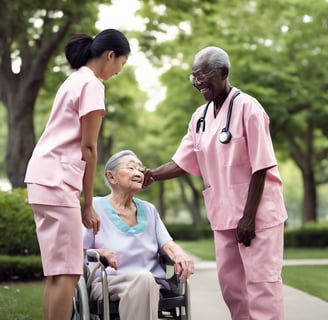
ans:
(20, 268)
(309, 235)
(189, 232)
(17, 226)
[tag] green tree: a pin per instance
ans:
(291, 84)
(277, 49)
(32, 34)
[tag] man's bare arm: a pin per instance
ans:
(168, 170)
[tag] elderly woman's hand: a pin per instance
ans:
(183, 263)
(110, 256)
(184, 266)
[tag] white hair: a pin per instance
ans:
(114, 161)
(217, 58)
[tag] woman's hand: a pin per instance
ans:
(90, 219)
(110, 256)
(183, 263)
(184, 266)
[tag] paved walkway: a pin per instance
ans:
(207, 302)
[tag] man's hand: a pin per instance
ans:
(246, 231)
(148, 178)
(246, 225)
(90, 219)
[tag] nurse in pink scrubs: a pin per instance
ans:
(63, 164)
(243, 189)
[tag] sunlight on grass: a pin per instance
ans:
(204, 249)
(311, 279)
(21, 301)
(306, 253)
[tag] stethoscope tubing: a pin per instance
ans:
(201, 121)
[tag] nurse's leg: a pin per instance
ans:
(59, 231)
(231, 273)
(263, 262)
(57, 302)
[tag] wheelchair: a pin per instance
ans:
(173, 304)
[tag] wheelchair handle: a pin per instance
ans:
(94, 256)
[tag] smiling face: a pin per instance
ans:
(128, 176)
(211, 83)
(210, 72)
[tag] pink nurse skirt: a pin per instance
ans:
(59, 231)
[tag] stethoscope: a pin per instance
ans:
(225, 135)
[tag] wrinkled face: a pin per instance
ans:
(128, 176)
(210, 83)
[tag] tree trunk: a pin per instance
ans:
(309, 213)
(303, 156)
(21, 141)
(18, 92)
(193, 204)
(20, 100)
(161, 200)
(105, 145)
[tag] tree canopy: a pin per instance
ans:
(277, 50)
(31, 35)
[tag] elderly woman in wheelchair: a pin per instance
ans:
(131, 238)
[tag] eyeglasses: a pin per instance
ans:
(201, 76)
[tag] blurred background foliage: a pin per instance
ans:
(278, 54)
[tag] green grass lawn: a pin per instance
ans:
(310, 279)
(204, 249)
(21, 301)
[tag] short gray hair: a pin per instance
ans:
(217, 58)
(114, 161)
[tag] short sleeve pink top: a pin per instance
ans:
(226, 169)
(55, 171)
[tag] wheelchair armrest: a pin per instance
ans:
(165, 260)
(168, 265)
(94, 256)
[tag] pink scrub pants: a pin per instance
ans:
(250, 277)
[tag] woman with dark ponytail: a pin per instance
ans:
(63, 164)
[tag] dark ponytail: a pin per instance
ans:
(82, 47)
(78, 50)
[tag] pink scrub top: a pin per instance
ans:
(55, 171)
(226, 169)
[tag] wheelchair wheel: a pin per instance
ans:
(80, 309)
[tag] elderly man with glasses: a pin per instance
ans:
(243, 194)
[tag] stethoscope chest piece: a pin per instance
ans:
(225, 136)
